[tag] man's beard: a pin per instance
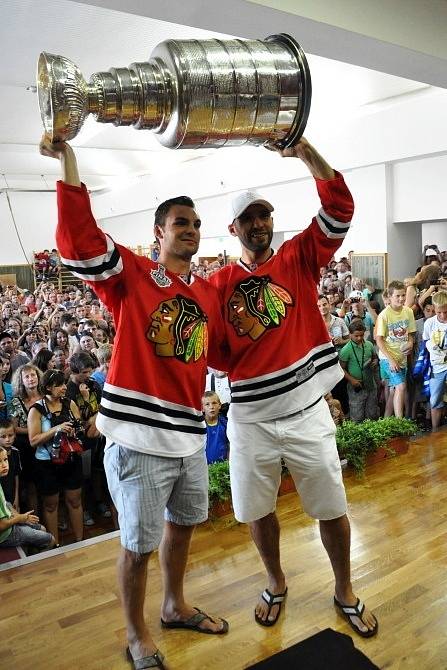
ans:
(261, 244)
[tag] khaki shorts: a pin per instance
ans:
(306, 443)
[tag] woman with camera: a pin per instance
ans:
(49, 420)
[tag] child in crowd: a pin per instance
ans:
(216, 428)
(104, 356)
(217, 382)
(10, 481)
(394, 336)
(17, 529)
(358, 359)
(435, 335)
(335, 409)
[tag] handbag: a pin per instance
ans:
(64, 447)
(68, 446)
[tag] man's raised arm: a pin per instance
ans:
(315, 163)
(63, 152)
(84, 248)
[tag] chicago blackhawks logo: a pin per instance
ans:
(257, 305)
(179, 328)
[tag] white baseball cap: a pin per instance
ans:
(430, 252)
(243, 200)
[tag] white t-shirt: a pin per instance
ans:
(221, 387)
(435, 334)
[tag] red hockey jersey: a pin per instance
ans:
(280, 357)
(152, 397)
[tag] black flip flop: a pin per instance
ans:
(349, 611)
(271, 599)
(193, 623)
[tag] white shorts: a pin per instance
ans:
(306, 443)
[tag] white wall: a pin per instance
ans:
(435, 232)
(420, 192)
(35, 216)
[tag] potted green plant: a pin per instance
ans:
(219, 488)
(357, 442)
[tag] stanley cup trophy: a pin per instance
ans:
(190, 93)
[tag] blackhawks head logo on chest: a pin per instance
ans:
(179, 328)
(258, 305)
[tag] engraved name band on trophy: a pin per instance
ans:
(190, 93)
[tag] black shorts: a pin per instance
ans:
(52, 479)
(27, 459)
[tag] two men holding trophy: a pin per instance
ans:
(209, 94)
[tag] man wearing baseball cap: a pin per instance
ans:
(281, 362)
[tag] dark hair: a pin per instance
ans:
(52, 378)
(80, 361)
(163, 209)
(5, 335)
(67, 318)
(6, 423)
(356, 324)
(427, 301)
(42, 358)
(53, 339)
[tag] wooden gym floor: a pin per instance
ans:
(63, 612)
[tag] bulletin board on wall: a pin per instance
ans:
(20, 275)
(372, 268)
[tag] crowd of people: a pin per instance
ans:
(390, 343)
(55, 349)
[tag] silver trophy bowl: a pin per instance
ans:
(190, 93)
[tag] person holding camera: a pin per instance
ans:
(47, 418)
(358, 307)
(86, 393)
(358, 360)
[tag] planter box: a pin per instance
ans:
(400, 445)
(225, 507)
(221, 508)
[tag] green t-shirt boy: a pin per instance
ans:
(356, 359)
